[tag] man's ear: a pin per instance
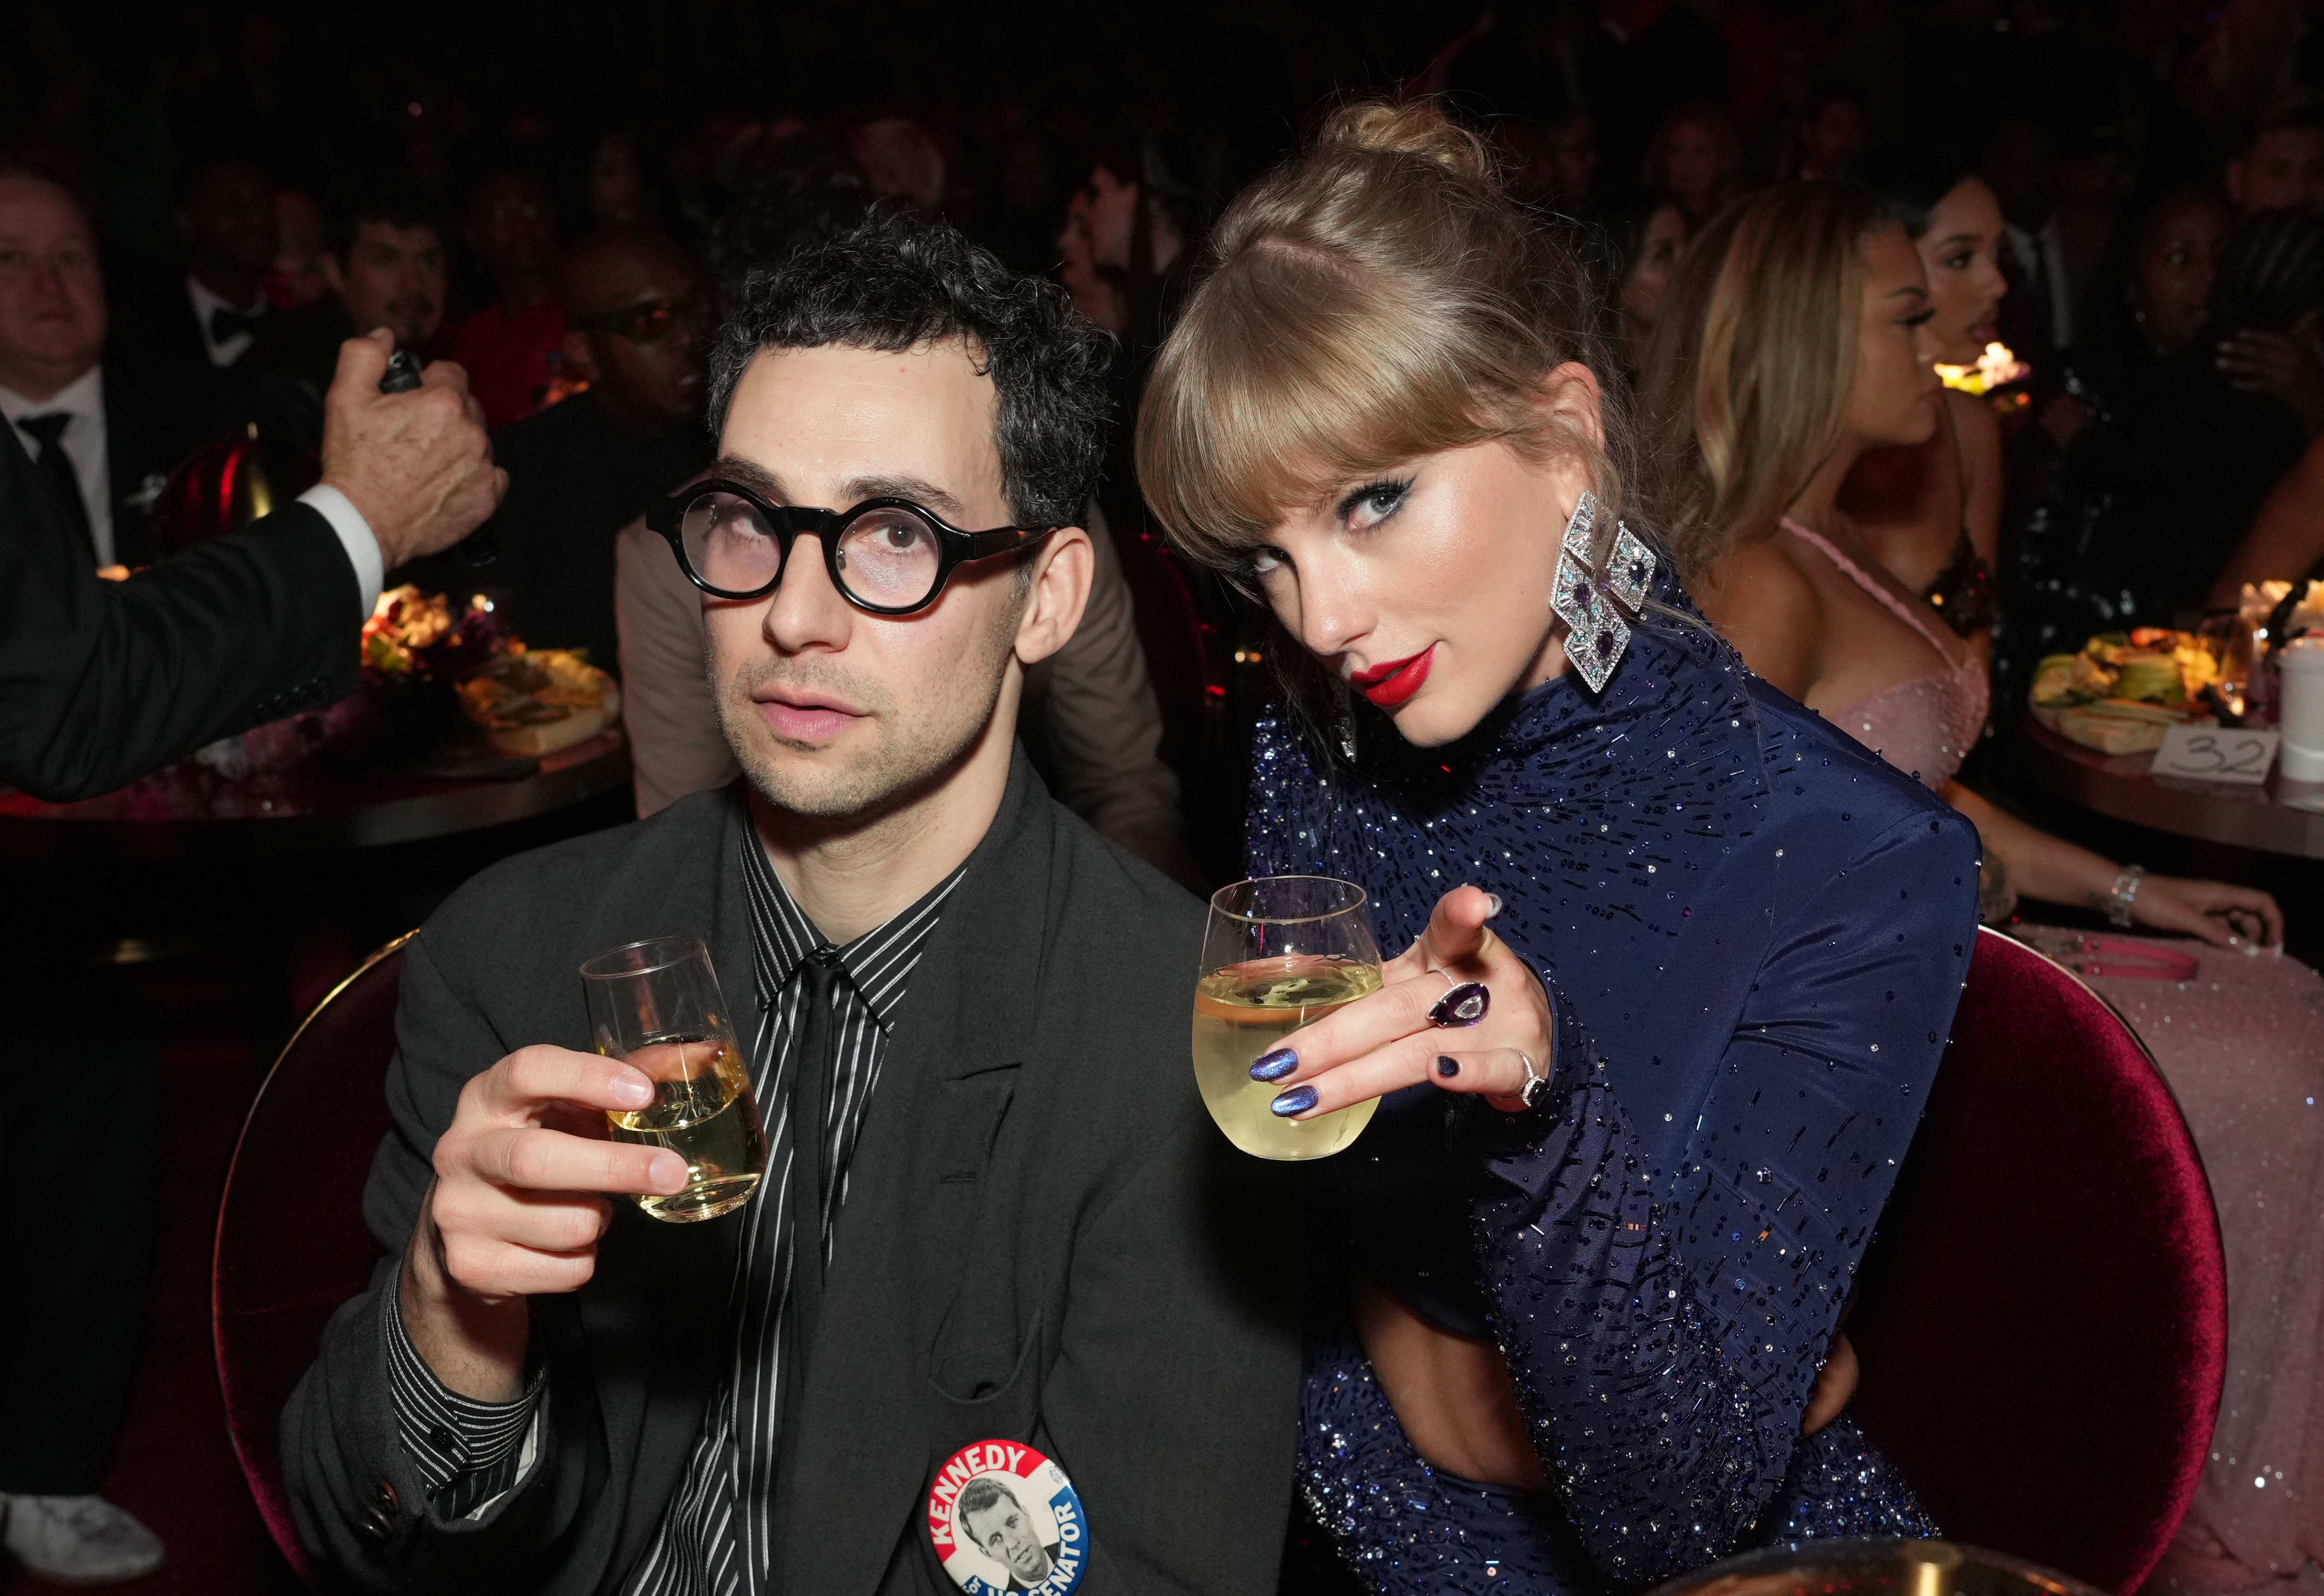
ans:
(580, 359)
(1063, 569)
(337, 280)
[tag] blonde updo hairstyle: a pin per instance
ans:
(1376, 298)
(1747, 376)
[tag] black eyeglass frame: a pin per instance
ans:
(954, 546)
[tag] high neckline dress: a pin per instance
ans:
(1754, 934)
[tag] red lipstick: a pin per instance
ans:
(1391, 684)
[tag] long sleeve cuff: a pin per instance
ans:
(355, 537)
(468, 1452)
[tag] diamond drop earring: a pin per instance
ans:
(1592, 605)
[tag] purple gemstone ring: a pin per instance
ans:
(1464, 1004)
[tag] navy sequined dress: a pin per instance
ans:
(1754, 934)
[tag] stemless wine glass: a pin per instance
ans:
(1280, 952)
(656, 1005)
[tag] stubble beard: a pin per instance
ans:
(908, 755)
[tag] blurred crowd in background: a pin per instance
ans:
(561, 197)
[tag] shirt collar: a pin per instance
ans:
(84, 396)
(875, 964)
(206, 299)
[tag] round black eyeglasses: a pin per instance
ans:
(887, 556)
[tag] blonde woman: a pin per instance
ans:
(1763, 428)
(1641, 1099)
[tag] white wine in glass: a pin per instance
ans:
(1280, 952)
(656, 1005)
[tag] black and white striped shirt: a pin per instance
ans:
(716, 1536)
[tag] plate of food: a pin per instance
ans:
(537, 701)
(2124, 691)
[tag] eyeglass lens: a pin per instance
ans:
(887, 558)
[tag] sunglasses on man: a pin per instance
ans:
(886, 556)
(649, 321)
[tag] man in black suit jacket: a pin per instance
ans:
(995, 1209)
(203, 309)
(99, 683)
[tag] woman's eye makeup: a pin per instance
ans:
(1373, 503)
(1920, 317)
(1263, 561)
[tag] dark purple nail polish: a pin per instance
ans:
(1447, 1067)
(1275, 1066)
(1464, 1005)
(1298, 1101)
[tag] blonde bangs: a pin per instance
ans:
(1288, 376)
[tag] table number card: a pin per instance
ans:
(2215, 753)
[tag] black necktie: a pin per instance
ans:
(56, 468)
(820, 976)
(228, 324)
(802, 1140)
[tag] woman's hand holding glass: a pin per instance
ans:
(1387, 1040)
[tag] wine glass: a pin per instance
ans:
(1278, 953)
(656, 1005)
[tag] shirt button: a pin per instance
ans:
(443, 1440)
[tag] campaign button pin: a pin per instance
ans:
(1003, 1517)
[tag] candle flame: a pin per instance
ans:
(1994, 368)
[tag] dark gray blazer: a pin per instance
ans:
(1044, 1239)
(101, 682)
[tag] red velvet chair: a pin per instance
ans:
(2043, 1320)
(291, 1245)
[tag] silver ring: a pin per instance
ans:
(1449, 982)
(1534, 1079)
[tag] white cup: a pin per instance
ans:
(2300, 715)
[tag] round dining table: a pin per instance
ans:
(190, 813)
(2274, 816)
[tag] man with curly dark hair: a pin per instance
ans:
(993, 1211)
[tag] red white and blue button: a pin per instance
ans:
(1003, 1519)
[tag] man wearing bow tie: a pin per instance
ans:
(201, 311)
(227, 221)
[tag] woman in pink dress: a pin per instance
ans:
(1795, 341)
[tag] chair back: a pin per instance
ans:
(291, 1243)
(2043, 1325)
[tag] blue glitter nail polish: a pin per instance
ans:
(1298, 1101)
(1275, 1066)
(1651, 843)
(1447, 1067)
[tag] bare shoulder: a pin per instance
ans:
(1767, 605)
